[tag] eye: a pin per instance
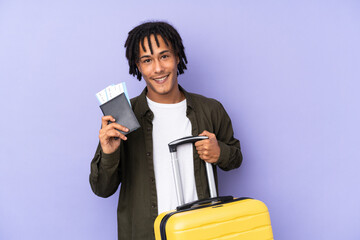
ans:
(165, 56)
(146, 60)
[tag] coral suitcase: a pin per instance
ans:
(214, 218)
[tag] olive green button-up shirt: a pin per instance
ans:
(132, 163)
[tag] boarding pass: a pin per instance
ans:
(112, 91)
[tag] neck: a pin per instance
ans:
(169, 98)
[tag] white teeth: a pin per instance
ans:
(160, 79)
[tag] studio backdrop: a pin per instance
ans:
(287, 73)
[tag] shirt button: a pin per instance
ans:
(149, 128)
(148, 154)
(152, 180)
(153, 205)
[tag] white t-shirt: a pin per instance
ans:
(170, 123)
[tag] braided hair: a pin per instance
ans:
(145, 30)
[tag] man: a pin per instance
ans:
(140, 161)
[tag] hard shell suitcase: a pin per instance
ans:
(214, 218)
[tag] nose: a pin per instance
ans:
(159, 68)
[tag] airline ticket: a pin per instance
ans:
(112, 91)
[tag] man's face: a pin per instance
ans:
(159, 69)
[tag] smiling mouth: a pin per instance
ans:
(162, 79)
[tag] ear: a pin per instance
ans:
(177, 60)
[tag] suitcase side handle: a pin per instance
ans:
(217, 200)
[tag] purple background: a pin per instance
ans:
(287, 73)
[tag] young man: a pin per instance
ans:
(140, 161)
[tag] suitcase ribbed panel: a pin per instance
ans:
(246, 219)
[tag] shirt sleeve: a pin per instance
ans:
(230, 151)
(105, 173)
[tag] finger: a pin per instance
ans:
(204, 153)
(205, 158)
(209, 160)
(105, 135)
(105, 129)
(112, 134)
(115, 126)
(105, 120)
(120, 127)
(202, 147)
(199, 143)
(199, 148)
(116, 133)
(212, 136)
(208, 134)
(203, 143)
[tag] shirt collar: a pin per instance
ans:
(143, 107)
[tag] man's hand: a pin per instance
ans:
(208, 149)
(109, 136)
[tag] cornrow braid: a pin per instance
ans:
(137, 35)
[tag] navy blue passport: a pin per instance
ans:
(120, 109)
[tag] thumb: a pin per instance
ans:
(205, 133)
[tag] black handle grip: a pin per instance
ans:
(218, 200)
(191, 139)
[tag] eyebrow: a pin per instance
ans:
(146, 56)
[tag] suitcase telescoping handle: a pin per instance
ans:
(176, 171)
